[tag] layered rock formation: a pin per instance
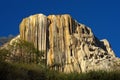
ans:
(70, 46)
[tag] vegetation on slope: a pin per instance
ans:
(22, 71)
(25, 66)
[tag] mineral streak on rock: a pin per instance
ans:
(33, 29)
(70, 46)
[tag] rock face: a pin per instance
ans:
(33, 29)
(69, 45)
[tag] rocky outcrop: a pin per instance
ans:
(33, 29)
(70, 46)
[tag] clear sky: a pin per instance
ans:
(102, 16)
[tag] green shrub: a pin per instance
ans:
(15, 71)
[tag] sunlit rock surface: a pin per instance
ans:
(33, 29)
(70, 46)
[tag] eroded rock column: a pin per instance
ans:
(33, 29)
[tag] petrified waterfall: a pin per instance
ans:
(69, 45)
(33, 29)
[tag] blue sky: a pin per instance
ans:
(102, 16)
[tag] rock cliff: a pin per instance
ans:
(70, 46)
